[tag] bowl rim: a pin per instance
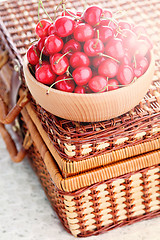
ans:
(53, 90)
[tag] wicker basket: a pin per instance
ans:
(97, 176)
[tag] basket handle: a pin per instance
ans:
(16, 156)
(7, 118)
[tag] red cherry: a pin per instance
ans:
(96, 61)
(53, 44)
(33, 55)
(105, 33)
(125, 74)
(41, 44)
(73, 46)
(148, 41)
(126, 59)
(66, 85)
(93, 46)
(79, 14)
(140, 66)
(42, 28)
(142, 62)
(138, 30)
(138, 72)
(142, 47)
(92, 15)
(114, 48)
(43, 63)
(83, 32)
(51, 29)
(69, 13)
(59, 63)
(79, 59)
(98, 84)
(113, 24)
(124, 25)
(64, 26)
(81, 75)
(45, 75)
(108, 68)
(129, 39)
(113, 84)
(80, 89)
(106, 14)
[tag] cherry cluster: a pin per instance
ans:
(89, 52)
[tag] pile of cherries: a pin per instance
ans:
(89, 52)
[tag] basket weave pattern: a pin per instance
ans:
(106, 205)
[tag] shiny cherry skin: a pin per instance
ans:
(83, 32)
(113, 84)
(82, 75)
(127, 58)
(59, 67)
(79, 59)
(51, 29)
(142, 62)
(98, 84)
(33, 55)
(108, 68)
(41, 47)
(42, 28)
(141, 66)
(142, 47)
(73, 46)
(105, 33)
(129, 39)
(96, 61)
(124, 25)
(66, 85)
(64, 26)
(92, 15)
(93, 47)
(138, 72)
(64, 13)
(125, 74)
(80, 89)
(148, 41)
(114, 48)
(43, 63)
(53, 44)
(106, 14)
(139, 30)
(45, 75)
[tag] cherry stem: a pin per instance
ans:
(77, 18)
(33, 42)
(40, 57)
(122, 12)
(61, 3)
(104, 55)
(120, 32)
(39, 4)
(46, 11)
(68, 72)
(95, 45)
(34, 49)
(56, 83)
(56, 62)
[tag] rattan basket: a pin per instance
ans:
(97, 176)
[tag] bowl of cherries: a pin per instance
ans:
(89, 66)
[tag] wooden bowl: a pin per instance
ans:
(90, 107)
